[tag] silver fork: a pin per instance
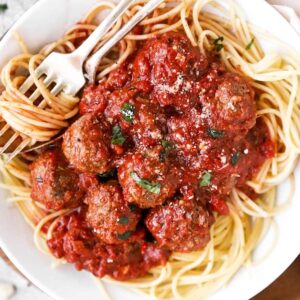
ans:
(66, 70)
(94, 60)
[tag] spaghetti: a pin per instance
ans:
(276, 82)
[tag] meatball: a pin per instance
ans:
(119, 77)
(149, 126)
(53, 183)
(143, 122)
(94, 99)
(117, 100)
(86, 144)
(234, 105)
(146, 178)
(170, 67)
(180, 225)
(74, 242)
(111, 218)
(187, 132)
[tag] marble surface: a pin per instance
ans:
(15, 9)
(12, 284)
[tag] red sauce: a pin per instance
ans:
(74, 241)
(180, 132)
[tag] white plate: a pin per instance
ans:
(46, 22)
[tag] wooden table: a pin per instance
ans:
(286, 287)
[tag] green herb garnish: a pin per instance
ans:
(250, 44)
(151, 187)
(3, 7)
(206, 179)
(132, 207)
(235, 158)
(166, 144)
(117, 136)
(127, 111)
(123, 220)
(124, 236)
(167, 149)
(218, 43)
(214, 133)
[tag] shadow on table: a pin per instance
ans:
(286, 287)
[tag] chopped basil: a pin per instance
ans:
(235, 158)
(151, 187)
(167, 149)
(214, 133)
(117, 136)
(3, 7)
(218, 40)
(206, 179)
(250, 44)
(166, 144)
(219, 47)
(127, 111)
(123, 220)
(132, 207)
(124, 236)
(218, 43)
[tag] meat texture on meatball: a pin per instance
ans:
(143, 122)
(94, 99)
(146, 179)
(86, 144)
(233, 106)
(74, 242)
(180, 225)
(53, 183)
(112, 219)
(170, 66)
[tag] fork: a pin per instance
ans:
(66, 70)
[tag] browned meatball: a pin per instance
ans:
(112, 219)
(146, 179)
(148, 126)
(181, 225)
(86, 144)
(142, 121)
(94, 99)
(170, 66)
(74, 242)
(234, 107)
(53, 183)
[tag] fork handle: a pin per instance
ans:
(86, 48)
(93, 62)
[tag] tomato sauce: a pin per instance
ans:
(76, 243)
(159, 146)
